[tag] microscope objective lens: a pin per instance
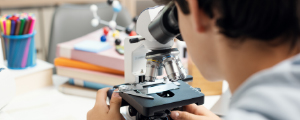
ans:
(171, 69)
(151, 70)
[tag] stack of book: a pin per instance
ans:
(89, 70)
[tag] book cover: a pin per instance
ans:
(91, 76)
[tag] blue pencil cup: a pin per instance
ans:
(20, 50)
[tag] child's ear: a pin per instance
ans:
(199, 19)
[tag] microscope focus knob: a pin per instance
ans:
(132, 111)
(168, 112)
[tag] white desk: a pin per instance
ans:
(49, 104)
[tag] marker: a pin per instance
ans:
(8, 26)
(22, 26)
(4, 26)
(18, 24)
(8, 30)
(29, 25)
(25, 57)
(13, 27)
(7, 43)
(26, 29)
(32, 23)
(13, 44)
(17, 57)
(1, 22)
(33, 20)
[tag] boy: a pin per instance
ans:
(253, 44)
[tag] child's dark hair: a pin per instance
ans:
(264, 20)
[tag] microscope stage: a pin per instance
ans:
(185, 95)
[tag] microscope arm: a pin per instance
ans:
(135, 62)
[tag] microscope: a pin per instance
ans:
(146, 57)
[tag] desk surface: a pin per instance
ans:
(50, 104)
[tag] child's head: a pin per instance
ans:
(214, 28)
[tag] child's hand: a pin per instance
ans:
(194, 112)
(102, 111)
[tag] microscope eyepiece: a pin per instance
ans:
(165, 26)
